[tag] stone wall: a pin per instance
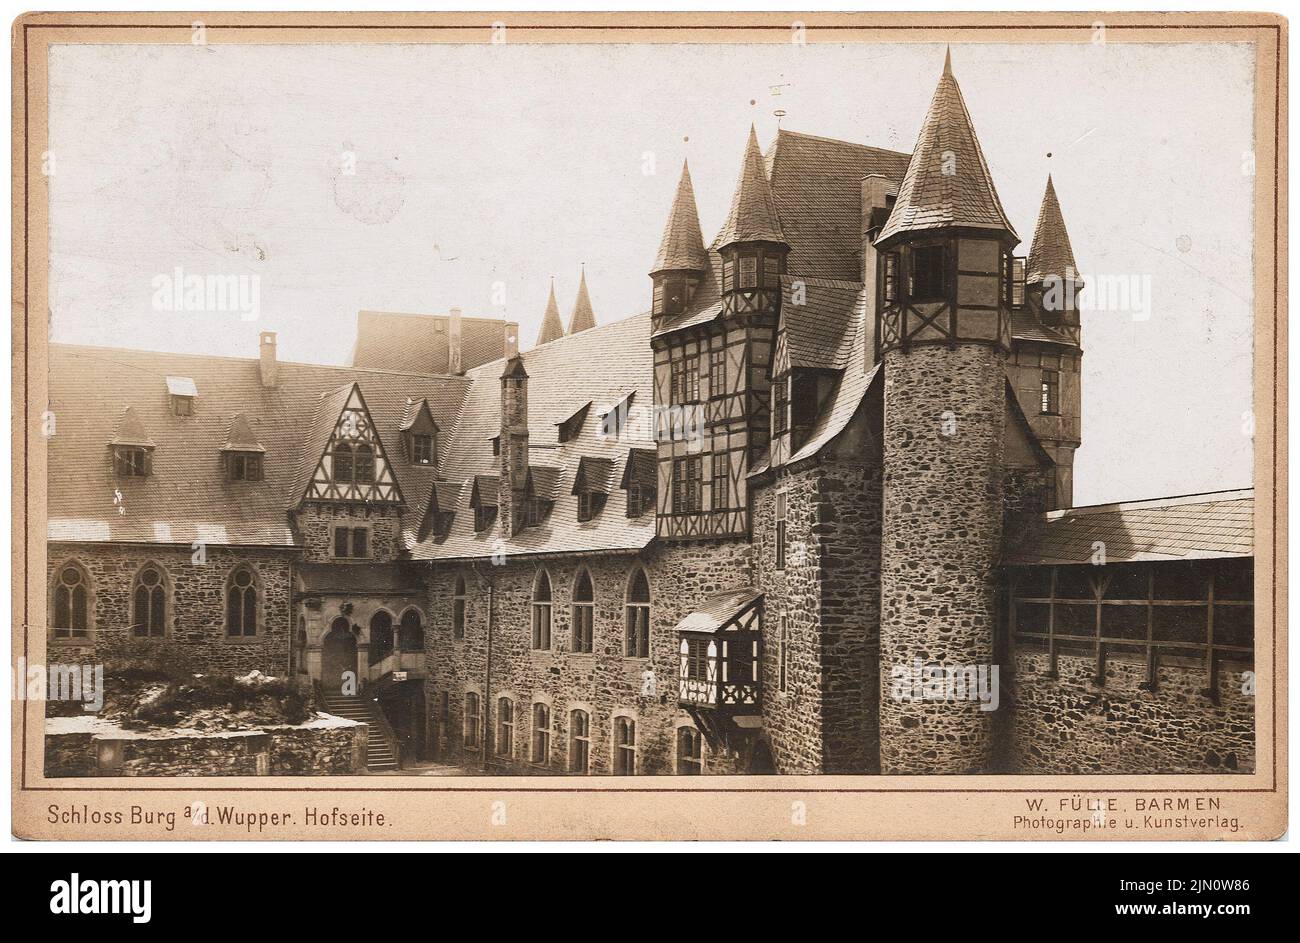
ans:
(196, 607)
(322, 747)
(604, 683)
(943, 448)
(1071, 725)
(316, 523)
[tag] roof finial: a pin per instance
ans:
(947, 61)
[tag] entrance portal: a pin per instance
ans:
(338, 655)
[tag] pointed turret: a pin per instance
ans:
(1050, 256)
(753, 216)
(947, 184)
(582, 317)
(552, 326)
(752, 243)
(682, 260)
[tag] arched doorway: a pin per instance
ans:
(338, 655)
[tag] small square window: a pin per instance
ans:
(131, 462)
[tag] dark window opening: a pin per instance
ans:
(1050, 404)
(929, 273)
(132, 462)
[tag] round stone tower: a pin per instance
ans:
(943, 329)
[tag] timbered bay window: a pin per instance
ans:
(130, 461)
(472, 721)
(149, 604)
(541, 744)
(636, 640)
(541, 609)
(687, 484)
(579, 741)
(624, 746)
(583, 614)
(505, 745)
(241, 603)
(929, 275)
(718, 653)
(71, 608)
(1160, 611)
(690, 752)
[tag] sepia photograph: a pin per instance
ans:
(479, 403)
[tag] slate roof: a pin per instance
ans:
(940, 192)
(1189, 527)
(821, 332)
(364, 578)
(187, 497)
(552, 326)
(719, 609)
(604, 363)
(417, 343)
(1026, 327)
(682, 247)
(1050, 255)
(753, 216)
(582, 318)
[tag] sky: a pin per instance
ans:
(333, 179)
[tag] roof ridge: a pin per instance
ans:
(1178, 500)
(830, 140)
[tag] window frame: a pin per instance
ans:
(582, 615)
(636, 617)
(779, 515)
(505, 727)
(623, 740)
(541, 612)
(541, 737)
(471, 720)
(132, 461)
(579, 743)
(695, 758)
(156, 605)
(930, 283)
(83, 613)
(252, 589)
(459, 596)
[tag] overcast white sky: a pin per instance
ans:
(479, 166)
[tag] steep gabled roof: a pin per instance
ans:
(682, 247)
(948, 182)
(130, 431)
(595, 473)
(753, 216)
(582, 318)
(1051, 254)
(552, 326)
(241, 437)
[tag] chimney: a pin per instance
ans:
(267, 365)
(875, 203)
(514, 444)
(454, 365)
(510, 340)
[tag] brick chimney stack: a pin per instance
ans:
(267, 365)
(875, 210)
(454, 364)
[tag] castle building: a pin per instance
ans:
(810, 513)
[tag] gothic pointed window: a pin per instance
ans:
(541, 743)
(149, 604)
(542, 612)
(636, 643)
(241, 603)
(505, 745)
(381, 636)
(690, 752)
(584, 612)
(71, 609)
(411, 631)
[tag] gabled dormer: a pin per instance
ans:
(419, 434)
(592, 484)
(438, 516)
(132, 447)
(243, 456)
(353, 465)
(639, 481)
(483, 501)
(568, 428)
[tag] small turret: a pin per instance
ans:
(552, 327)
(1052, 282)
(582, 317)
(752, 243)
(681, 263)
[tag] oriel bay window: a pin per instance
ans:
(719, 649)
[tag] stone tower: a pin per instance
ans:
(943, 330)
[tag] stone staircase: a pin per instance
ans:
(381, 750)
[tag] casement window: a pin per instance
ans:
(458, 609)
(728, 274)
(541, 745)
(473, 720)
(244, 466)
(783, 655)
(780, 530)
(183, 405)
(636, 640)
(748, 271)
(583, 614)
(354, 463)
(687, 484)
(71, 609)
(579, 742)
(890, 287)
(1050, 393)
(640, 498)
(690, 752)
(422, 449)
(717, 373)
(1017, 282)
(505, 726)
(624, 746)
(542, 612)
(718, 483)
(929, 273)
(781, 405)
(241, 603)
(130, 461)
(149, 604)
(484, 515)
(590, 503)
(410, 631)
(686, 381)
(771, 271)
(352, 542)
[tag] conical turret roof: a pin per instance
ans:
(552, 326)
(1050, 255)
(753, 216)
(583, 317)
(682, 247)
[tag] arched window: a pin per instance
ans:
(71, 609)
(458, 608)
(473, 720)
(541, 753)
(241, 603)
(411, 631)
(381, 636)
(579, 742)
(542, 611)
(624, 746)
(636, 642)
(690, 752)
(149, 603)
(505, 726)
(584, 613)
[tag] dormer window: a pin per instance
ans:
(422, 449)
(183, 392)
(590, 504)
(130, 461)
(419, 433)
(183, 405)
(569, 428)
(484, 516)
(244, 466)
